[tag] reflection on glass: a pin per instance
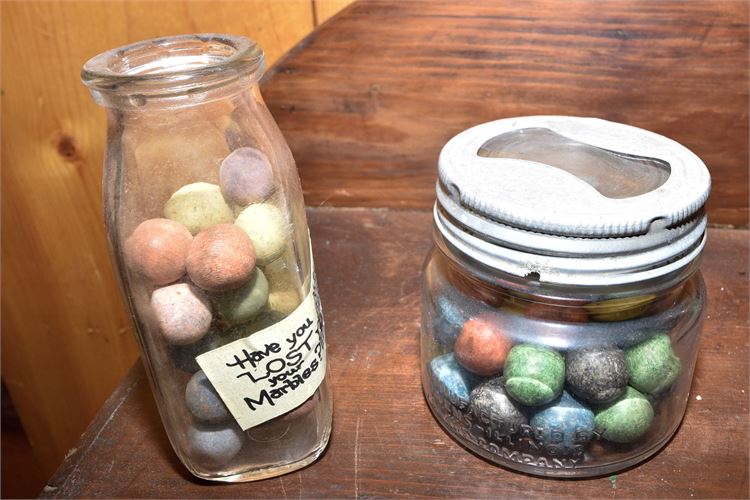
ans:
(614, 175)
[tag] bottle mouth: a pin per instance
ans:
(172, 66)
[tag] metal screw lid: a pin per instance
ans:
(575, 200)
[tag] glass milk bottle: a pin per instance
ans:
(207, 232)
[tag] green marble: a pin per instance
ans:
(267, 227)
(243, 304)
(626, 419)
(198, 206)
(653, 365)
(534, 375)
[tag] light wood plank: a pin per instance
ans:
(325, 9)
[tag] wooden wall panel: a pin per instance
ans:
(66, 340)
(325, 9)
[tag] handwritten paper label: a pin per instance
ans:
(272, 371)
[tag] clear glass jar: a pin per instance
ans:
(208, 235)
(551, 345)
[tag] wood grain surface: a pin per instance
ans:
(67, 341)
(385, 442)
(370, 98)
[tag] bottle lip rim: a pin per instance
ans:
(216, 60)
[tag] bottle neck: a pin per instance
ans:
(205, 97)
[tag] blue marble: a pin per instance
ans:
(451, 380)
(214, 445)
(203, 401)
(564, 426)
(447, 321)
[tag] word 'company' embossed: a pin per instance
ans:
(519, 446)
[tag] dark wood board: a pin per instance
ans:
(368, 100)
(385, 442)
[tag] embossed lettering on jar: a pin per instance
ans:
(562, 301)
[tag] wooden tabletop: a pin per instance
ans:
(366, 102)
(385, 441)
